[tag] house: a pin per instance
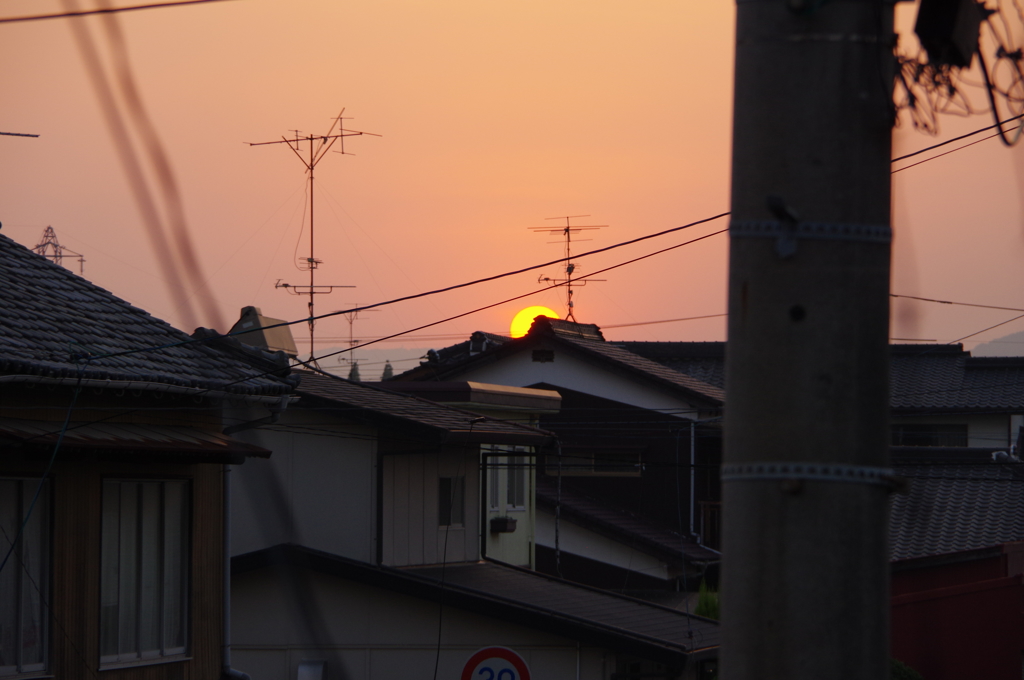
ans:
(364, 549)
(957, 550)
(112, 454)
(941, 395)
(641, 437)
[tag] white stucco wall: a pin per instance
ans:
(574, 539)
(412, 533)
(371, 633)
(572, 372)
(318, 490)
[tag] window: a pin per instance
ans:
(451, 499)
(494, 483)
(25, 579)
(144, 570)
(929, 435)
(516, 496)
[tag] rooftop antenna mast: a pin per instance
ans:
(352, 342)
(51, 249)
(319, 145)
(567, 233)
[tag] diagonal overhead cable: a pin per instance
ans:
(104, 10)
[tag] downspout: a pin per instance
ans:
(558, 513)
(227, 672)
(693, 475)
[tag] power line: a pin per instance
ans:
(978, 141)
(437, 291)
(108, 10)
(957, 139)
(650, 323)
(960, 304)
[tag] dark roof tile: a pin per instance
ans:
(48, 315)
(956, 505)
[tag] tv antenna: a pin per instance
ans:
(352, 342)
(51, 249)
(319, 145)
(567, 232)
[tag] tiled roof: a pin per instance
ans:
(49, 316)
(628, 616)
(365, 400)
(702, 360)
(962, 503)
(585, 338)
(523, 597)
(923, 377)
(622, 526)
(946, 377)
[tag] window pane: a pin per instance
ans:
(33, 558)
(128, 586)
(444, 501)
(109, 568)
(150, 567)
(144, 567)
(459, 501)
(516, 482)
(494, 486)
(175, 564)
(9, 520)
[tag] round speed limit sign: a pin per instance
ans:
(496, 663)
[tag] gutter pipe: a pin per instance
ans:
(227, 672)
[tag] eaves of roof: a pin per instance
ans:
(382, 407)
(129, 441)
(628, 530)
(423, 583)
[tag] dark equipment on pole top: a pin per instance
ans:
(949, 29)
(51, 249)
(930, 82)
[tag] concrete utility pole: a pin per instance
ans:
(805, 563)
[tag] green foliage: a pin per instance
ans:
(901, 671)
(388, 371)
(353, 373)
(707, 601)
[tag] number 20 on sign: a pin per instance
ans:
(495, 663)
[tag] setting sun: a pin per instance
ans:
(524, 319)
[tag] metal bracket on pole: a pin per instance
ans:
(786, 233)
(817, 472)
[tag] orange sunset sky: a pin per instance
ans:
(494, 116)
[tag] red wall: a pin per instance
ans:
(960, 621)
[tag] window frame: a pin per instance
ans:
(166, 653)
(41, 520)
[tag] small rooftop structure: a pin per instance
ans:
(277, 339)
